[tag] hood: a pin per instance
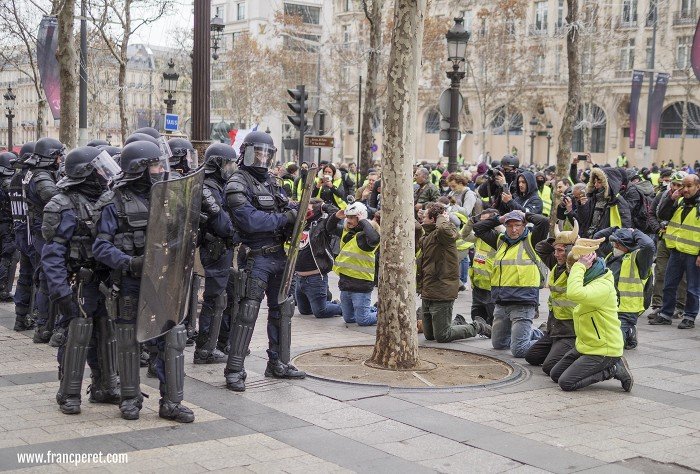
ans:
(531, 184)
(337, 175)
(646, 187)
(611, 178)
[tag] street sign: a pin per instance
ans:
(171, 122)
(444, 104)
(317, 141)
(374, 148)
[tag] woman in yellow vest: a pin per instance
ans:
(597, 355)
(544, 191)
(329, 187)
(631, 262)
(355, 263)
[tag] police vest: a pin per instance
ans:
(513, 267)
(5, 203)
(354, 262)
(546, 196)
(630, 286)
(80, 244)
(482, 265)
(561, 307)
(684, 234)
(35, 201)
(338, 184)
(132, 216)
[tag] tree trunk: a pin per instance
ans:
(374, 16)
(123, 60)
(396, 346)
(574, 93)
(40, 118)
(68, 71)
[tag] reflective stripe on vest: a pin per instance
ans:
(561, 307)
(354, 262)
(482, 265)
(684, 236)
(630, 287)
(513, 267)
(546, 196)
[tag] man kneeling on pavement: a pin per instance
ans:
(438, 279)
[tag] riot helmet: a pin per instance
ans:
(220, 157)
(112, 150)
(7, 160)
(258, 151)
(142, 156)
(82, 162)
(183, 153)
(47, 152)
(26, 151)
(97, 142)
(140, 137)
(150, 131)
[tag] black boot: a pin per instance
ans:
(68, 404)
(235, 381)
(623, 374)
(131, 407)
(203, 356)
(23, 322)
(42, 335)
(101, 394)
(175, 411)
(279, 370)
(58, 337)
(631, 338)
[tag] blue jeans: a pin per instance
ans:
(311, 294)
(512, 327)
(680, 263)
(464, 270)
(357, 307)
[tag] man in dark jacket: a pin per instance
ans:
(524, 197)
(314, 262)
(438, 280)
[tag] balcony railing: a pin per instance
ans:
(685, 17)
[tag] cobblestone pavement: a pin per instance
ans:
(310, 426)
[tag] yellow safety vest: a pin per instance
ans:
(299, 190)
(337, 199)
(513, 267)
(354, 262)
(615, 219)
(561, 307)
(435, 177)
(482, 266)
(654, 178)
(290, 183)
(684, 235)
(630, 286)
(546, 196)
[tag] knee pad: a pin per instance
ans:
(255, 289)
(128, 308)
(175, 341)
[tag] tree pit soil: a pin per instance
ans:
(439, 368)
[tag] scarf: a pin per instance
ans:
(596, 270)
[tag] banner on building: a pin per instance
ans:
(695, 52)
(46, 46)
(637, 80)
(656, 105)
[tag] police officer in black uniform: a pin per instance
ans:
(23, 292)
(120, 245)
(215, 251)
(73, 277)
(261, 213)
(39, 187)
(8, 250)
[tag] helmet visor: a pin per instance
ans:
(106, 167)
(227, 168)
(192, 159)
(259, 155)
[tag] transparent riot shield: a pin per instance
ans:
(169, 257)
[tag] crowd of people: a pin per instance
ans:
(624, 242)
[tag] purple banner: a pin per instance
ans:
(46, 45)
(637, 80)
(656, 105)
(695, 52)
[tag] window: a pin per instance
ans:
(557, 60)
(538, 67)
(344, 75)
(240, 11)
(651, 13)
(507, 119)
(347, 5)
(468, 19)
(432, 121)
(309, 15)
(627, 55)
(219, 11)
(590, 119)
(687, 8)
(560, 13)
(672, 121)
(629, 11)
(541, 16)
(683, 52)
(302, 42)
(587, 59)
(236, 36)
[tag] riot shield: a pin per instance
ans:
(169, 257)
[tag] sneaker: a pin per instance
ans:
(654, 312)
(543, 327)
(175, 411)
(631, 338)
(459, 320)
(58, 338)
(686, 324)
(678, 314)
(279, 370)
(623, 374)
(482, 329)
(659, 320)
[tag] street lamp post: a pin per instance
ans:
(457, 39)
(549, 127)
(217, 30)
(533, 123)
(9, 97)
(170, 78)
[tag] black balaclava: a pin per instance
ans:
(93, 186)
(142, 185)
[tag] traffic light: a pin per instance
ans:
(298, 107)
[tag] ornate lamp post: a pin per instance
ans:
(457, 39)
(533, 123)
(170, 78)
(9, 97)
(549, 127)
(217, 30)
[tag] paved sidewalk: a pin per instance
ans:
(311, 426)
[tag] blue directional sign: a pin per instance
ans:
(171, 122)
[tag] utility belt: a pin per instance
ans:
(267, 250)
(216, 246)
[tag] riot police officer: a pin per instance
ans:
(73, 279)
(8, 249)
(261, 213)
(120, 245)
(150, 131)
(97, 142)
(182, 158)
(23, 292)
(39, 187)
(215, 251)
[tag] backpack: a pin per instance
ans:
(644, 215)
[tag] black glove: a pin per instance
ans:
(291, 216)
(65, 306)
(136, 266)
